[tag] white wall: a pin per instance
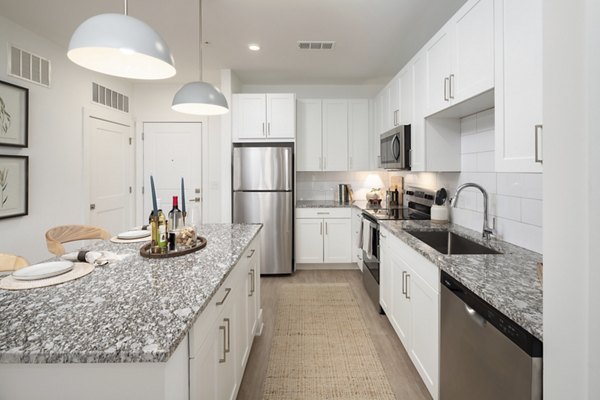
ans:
(317, 91)
(571, 193)
(515, 200)
(55, 143)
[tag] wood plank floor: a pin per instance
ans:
(402, 375)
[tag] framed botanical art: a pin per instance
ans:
(14, 110)
(14, 186)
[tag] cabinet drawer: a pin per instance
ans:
(323, 212)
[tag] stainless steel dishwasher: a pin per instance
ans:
(484, 354)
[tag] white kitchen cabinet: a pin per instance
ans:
(405, 82)
(335, 135)
(309, 142)
(264, 116)
(460, 57)
(323, 235)
(356, 232)
(203, 371)
(417, 131)
(394, 105)
(336, 241)
(518, 93)
(358, 135)
(409, 294)
(377, 131)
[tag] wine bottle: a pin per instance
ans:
(175, 215)
(153, 221)
(162, 231)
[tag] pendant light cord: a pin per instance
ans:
(200, 38)
(126, 8)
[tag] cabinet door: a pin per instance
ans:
(377, 131)
(203, 367)
(518, 93)
(281, 116)
(440, 54)
(226, 345)
(358, 134)
(253, 292)
(417, 131)
(309, 241)
(336, 243)
(241, 340)
(385, 273)
(356, 231)
(473, 72)
(405, 83)
(400, 315)
(250, 115)
(308, 143)
(424, 349)
(394, 110)
(335, 135)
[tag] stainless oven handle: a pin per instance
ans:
(394, 140)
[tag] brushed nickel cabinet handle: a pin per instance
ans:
(227, 290)
(327, 233)
(451, 86)
(403, 284)
(228, 348)
(537, 130)
(224, 359)
(251, 253)
(268, 129)
(263, 129)
(446, 80)
(322, 213)
(251, 273)
(321, 229)
(407, 282)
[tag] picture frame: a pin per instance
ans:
(14, 186)
(14, 115)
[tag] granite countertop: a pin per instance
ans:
(134, 310)
(507, 281)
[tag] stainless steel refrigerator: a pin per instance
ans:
(263, 191)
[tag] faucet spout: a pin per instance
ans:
(487, 231)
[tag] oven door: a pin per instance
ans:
(371, 261)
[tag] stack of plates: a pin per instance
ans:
(43, 270)
(132, 235)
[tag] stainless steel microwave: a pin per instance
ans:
(395, 148)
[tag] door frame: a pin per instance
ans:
(140, 186)
(114, 118)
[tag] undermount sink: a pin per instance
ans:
(450, 243)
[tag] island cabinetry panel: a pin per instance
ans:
(409, 294)
(323, 235)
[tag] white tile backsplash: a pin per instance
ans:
(324, 185)
(515, 199)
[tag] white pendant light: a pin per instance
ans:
(200, 98)
(120, 45)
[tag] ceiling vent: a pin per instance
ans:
(28, 66)
(109, 98)
(315, 45)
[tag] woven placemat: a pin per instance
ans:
(79, 270)
(115, 239)
(321, 348)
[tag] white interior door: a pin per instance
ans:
(111, 168)
(173, 150)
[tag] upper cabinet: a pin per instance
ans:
(518, 94)
(264, 116)
(460, 57)
(333, 135)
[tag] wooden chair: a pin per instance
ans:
(11, 262)
(58, 235)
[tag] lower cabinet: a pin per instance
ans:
(409, 294)
(323, 235)
(221, 339)
(356, 232)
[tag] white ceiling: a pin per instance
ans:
(374, 38)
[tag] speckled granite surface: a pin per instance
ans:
(135, 310)
(321, 204)
(507, 281)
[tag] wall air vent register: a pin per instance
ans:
(30, 67)
(315, 45)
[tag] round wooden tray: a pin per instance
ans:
(145, 250)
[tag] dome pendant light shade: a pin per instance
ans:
(200, 98)
(123, 46)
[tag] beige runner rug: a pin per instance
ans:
(321, 348)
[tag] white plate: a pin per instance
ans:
(43, 270)
(130, 235)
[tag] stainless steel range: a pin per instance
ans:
(417, 206)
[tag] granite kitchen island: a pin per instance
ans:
(131, 329)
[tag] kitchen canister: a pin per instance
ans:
(439, 213)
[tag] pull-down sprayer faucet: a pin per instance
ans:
(487, 231)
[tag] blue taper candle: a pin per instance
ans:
(154, 205)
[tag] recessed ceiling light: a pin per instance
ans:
(254, 47)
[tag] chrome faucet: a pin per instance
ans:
(487, 231)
